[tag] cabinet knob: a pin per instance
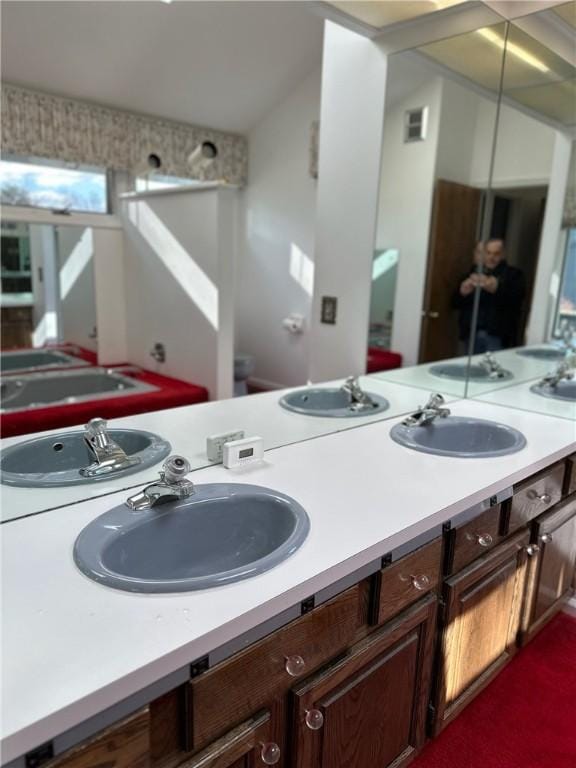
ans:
(419, 581)
(532, 549)
(295, 665)
(546, 538)
(484, 539)
(545, 498)
(270, 753)
(314, 719)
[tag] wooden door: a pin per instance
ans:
(453, 237)
(368, 708)
(552, 568)
(481, 621)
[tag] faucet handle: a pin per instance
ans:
(96, 426)
(175, 469)
(436, 400)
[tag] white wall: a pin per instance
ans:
(179, 279)
(75, 253)
(110, 282)
(43, 261)
(351, 123)
(276, 268)
(524, 148)
(547, 282)
(405, 207)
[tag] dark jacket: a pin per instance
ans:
(498, 313)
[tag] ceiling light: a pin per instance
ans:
(512, 48)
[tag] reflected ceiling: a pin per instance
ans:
(382, 13)
(476, 55)
(534, 76)
(567, 12)
(538, 78)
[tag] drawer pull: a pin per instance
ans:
(484, 539)
(545, 498)
(546, 538)
(295, 665)
(270, 753)
(420, 582)
(532, 549)
(314, 719)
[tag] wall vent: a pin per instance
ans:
(415, 124)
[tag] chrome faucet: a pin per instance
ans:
(106, 455)
(562, 372)
(428, 413)
(492, 365)
(359, 400)
(171, 486)
(567, 335)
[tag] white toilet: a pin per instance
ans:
(243, 369)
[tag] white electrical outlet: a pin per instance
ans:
(239, 453)
(215, 444)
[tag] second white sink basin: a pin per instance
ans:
(460, 437)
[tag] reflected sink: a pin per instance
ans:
(462, 437)
(564, 390)
(56, 460)
(461, 371)
(542, 353)
(223, 533)
(330, 402)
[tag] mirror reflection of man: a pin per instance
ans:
(502, 293)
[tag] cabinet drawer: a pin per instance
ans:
(249, 681)
(404, 582)
(476, 538)
(536, 495)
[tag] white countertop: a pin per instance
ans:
(521, 397)
(187, 429)
(72, 648)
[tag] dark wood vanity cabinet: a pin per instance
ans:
(369, 707)
(363, 678)
(480, 622)
(551, 568)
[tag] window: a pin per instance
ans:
(16, 275)
(566, 314)
(57, 186)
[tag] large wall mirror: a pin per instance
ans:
(439, 131)
(530, 246)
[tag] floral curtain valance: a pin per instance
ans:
(41, 125)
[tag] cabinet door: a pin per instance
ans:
(481, 621)
(368, 708)
(246, 746)
(553, 569)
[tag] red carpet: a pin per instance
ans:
(526, 718)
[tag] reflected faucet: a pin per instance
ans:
(359, 400)
(493, 367)
(171, 486)
(428, 413)
(562, 373)
(106, 455)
